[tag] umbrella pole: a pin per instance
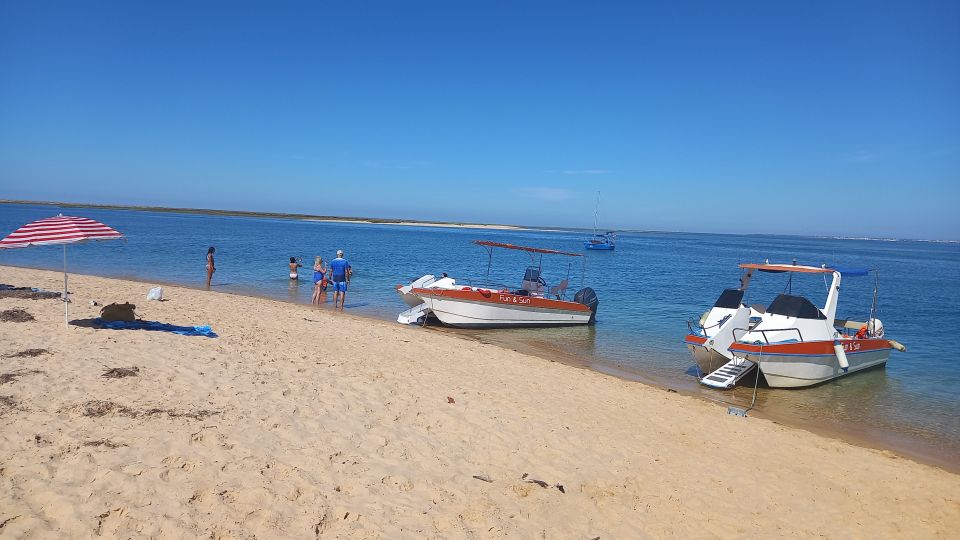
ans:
(66, 295)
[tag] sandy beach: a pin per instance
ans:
(303, 422)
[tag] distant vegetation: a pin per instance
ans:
(243, 213)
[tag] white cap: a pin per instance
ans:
(339, 253)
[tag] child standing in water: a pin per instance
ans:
(319, 279)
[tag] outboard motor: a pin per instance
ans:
(587, 297)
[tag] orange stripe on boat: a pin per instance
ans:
(813, 347)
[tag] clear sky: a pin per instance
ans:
(756, 117)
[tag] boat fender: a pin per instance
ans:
(466, 289)
(897, 345)
(841, 356)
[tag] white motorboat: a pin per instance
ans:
(792, 342)
(534, 303)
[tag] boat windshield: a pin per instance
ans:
(729, 298)
(795, 306)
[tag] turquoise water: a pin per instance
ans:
(648, 288)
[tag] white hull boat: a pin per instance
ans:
(793, 342)
(534, 304)
(482, 308)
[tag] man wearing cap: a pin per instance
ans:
(340, 277)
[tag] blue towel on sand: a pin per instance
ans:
(205, 331)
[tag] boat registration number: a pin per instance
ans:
(514, 299)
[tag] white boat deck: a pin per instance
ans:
(414, 314)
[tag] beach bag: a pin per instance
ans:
(119, 312)
(155, 293)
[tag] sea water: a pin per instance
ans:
(648, 288)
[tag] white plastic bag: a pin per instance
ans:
(155, 293)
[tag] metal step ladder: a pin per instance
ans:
(414, 314)
(728, 374)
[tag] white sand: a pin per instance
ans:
(298, 422)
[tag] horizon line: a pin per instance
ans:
(400, 221)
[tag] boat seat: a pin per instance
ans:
(533, 282)
(560, 290)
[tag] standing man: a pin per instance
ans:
(340, 276)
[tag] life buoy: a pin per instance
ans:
(861, 333)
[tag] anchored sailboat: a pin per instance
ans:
(600, 241)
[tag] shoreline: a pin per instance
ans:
(835, 431)
(299, 421)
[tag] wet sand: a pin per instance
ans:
(793, 408)
(298, 421)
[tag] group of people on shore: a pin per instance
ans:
(339, 273)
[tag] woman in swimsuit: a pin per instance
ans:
(319, 279)
(293, 268)
(211, 268)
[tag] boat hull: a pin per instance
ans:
(489, 309)
(599, 247)
(797, 365)
(708, 360)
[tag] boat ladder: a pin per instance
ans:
(414, 314)
(728, 374)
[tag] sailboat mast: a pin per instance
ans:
(596, 214)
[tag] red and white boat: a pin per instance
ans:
(534, 303)
(793, 342)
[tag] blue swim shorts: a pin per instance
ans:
(340, 286)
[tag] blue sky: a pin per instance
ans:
(748, 117)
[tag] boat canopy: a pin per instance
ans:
(524, 248)
(777, 268)
(852, 272)
(787, 268)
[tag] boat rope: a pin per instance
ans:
(756, 379)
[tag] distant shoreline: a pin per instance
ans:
(443, 224)
(282, 215)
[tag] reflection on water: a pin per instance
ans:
(573, 345)
(648, 288)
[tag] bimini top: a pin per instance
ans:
(524, 248)
(805, 269)
(787, 268)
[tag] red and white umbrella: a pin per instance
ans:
(59, 230)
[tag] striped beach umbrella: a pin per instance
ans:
(57, 230)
